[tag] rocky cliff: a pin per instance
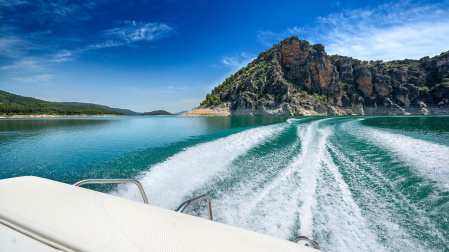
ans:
(296, 78)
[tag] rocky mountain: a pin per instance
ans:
(297, 78)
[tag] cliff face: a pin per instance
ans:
(296, 78)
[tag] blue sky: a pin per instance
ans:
(168, 54)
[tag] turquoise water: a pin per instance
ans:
(351, 183)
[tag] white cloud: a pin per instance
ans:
(17, 48)
(39, 63)
(295, 30)
(8, 45)
(12, 3)
(63, 10)
(62, 56)
(237, 61)
(105, 44)
(389, 32)
(28, 64)
(134, 31)
(36, 78)
(269, 38)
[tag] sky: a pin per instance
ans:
(147, 55)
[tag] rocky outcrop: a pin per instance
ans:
(296, 78)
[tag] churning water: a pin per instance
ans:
(351, 183)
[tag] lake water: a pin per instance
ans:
(352, 183)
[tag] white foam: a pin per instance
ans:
(287, 197)
(384, 208)
(309, 165)
(167, 183)
(291, 120)
(305, 195)
(273, 206)
(428, 160)
(340, 215)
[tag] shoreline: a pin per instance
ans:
(53, 116)
(325, 110)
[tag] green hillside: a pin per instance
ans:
(11, 104)
(118, 110)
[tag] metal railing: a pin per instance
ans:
(190, 202)
(180, 209)
(114, 181)
(305, 238)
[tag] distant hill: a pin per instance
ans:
(118, 110)
(12, 104)
(180, 113)
(157, 112)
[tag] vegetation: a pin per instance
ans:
(118, 110)
(244, 72)
(11, 104)
(157, 112)
(444, 84)
(227, 83)
(322, 98)
(211, 100)
(424, 89)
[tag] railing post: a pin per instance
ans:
(305, 238)
(190, 202)
(114, 181)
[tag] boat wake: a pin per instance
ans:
(350, 187)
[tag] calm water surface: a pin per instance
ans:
(352, 183)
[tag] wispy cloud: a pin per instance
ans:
(36, 78)
(237, 61)
(269, 38)
(135, 31)
(69, 11)
(12, 3)
(388, 32)
(40, 62)
(104, 44)
(394, 31)
(28, 64)
(9, 45)
(29, 48)
(17, 48)
(62, 56)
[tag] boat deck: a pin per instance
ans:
(69, 218)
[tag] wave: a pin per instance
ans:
(427, 159)
(320, 178)
(291, 120)
(274, 207)
(168, 183)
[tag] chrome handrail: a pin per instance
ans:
(114, 181)
(305, 238)
(189, 202)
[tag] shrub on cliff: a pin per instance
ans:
(322, 98)
(211, 100)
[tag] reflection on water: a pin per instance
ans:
(218, 123)
(65, 149)
(11, 129)
(438, 125)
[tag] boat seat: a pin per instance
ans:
(71, 218)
